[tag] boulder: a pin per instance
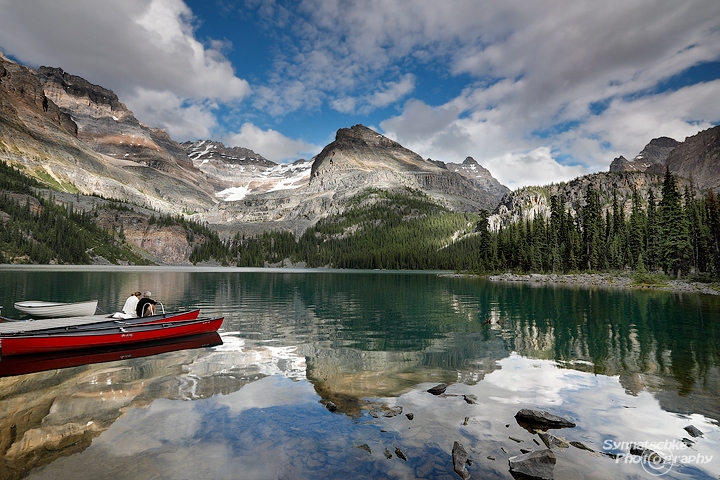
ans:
(540, 419)
(536, 465)
(459, 457)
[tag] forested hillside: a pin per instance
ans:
(36, 228)
(674, 232)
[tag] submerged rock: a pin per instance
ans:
(459, 458)
(551, 441)
(536, 465)
(438, 389)
(400, 454)
(541, 419)
(582, 446)
(646, 453)
(365, 447)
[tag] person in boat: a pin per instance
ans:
(130, 306)
(146, 305)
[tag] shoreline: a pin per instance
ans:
(609, 280)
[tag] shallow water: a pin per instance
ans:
(626, 367)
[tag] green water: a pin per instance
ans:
(625, 366)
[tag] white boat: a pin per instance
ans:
(39, 308)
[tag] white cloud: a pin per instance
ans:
(514, 76)
(539, 67)
(182, 120)
(271, 144)
(130, 46)
(537, 167)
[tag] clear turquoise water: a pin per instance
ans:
(626, 366)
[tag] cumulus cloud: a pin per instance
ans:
(271, 144)
(142, 50)
(515, 84)
(538, 69)
(182, 119)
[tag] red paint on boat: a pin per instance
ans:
(106, 336)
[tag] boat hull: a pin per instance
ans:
(24, 364)
(110, 336)
(38, 308)
(60, 325)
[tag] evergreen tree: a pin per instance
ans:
(652, 235)
(636, 231)
(675, 247)
(592, 228)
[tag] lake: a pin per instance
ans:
(325, 374)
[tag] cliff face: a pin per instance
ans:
(360, 155)
(534, 202)
(54, 144)
(109, 128)
(698, 159)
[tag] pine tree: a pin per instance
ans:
(675, 247)
(592, 229)
(652, 249)
(636, 231)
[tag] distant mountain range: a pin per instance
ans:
(80, 138)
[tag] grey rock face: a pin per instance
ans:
(653, 155)
(538, 464)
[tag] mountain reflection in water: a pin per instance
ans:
(625, 366)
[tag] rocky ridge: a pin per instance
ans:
(534, 202)
(695, 163)
(237, 172)
(655, 153)
(45, 141)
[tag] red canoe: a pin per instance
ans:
(59, 325)
(24, 364)
(105, 336)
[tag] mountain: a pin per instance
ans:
(480, 176)
(360, 155)
(655, 153)
(72, 146)
(695, 162)
(698, 159)
(280, 198)
(237, 172)
(78, 137)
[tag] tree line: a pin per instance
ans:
(677, 234)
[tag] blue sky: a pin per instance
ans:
(537, 92)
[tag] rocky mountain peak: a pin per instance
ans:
(655, 153)
(361, 149)
(202, 151)
(362, 135)
(697, 158)
(479, 176)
